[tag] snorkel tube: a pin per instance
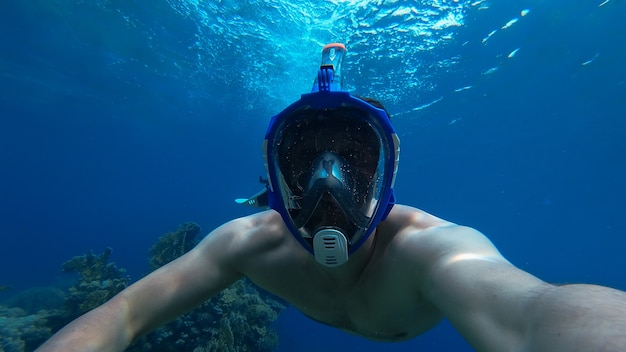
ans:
(329, 75)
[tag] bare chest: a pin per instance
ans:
(379, 307)
(375, 319)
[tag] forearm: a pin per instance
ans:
(102, 329)
(577, 318)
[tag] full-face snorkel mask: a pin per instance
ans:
(331, 160)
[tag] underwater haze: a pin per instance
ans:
(122, 119)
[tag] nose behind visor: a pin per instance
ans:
(331, 177)
(328, 166)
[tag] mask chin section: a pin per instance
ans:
(330, 247)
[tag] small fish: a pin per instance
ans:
(463, 88)
(510, 23)
(603, 3)
(512, 53)
(489, 35)
(491, 70)
(427, 105)
(591, 60)
(525, 12)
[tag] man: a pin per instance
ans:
(336, 247)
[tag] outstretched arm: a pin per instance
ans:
(498, 307)
(161, 296)
(577, 318)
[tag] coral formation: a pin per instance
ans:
(237, 319)
(20, 331)
(98, 281)
(173, 244)
(30, 317)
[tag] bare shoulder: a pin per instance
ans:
(264, 227)
(461, 272)
(441, 251)
(432, 238)
(246, 237)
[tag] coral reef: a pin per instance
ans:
(31, 316)
(98, 282)
(237, 319)
(173, 244)
(20, 331)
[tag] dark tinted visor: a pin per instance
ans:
(336, 131)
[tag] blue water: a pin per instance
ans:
(122, 119)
